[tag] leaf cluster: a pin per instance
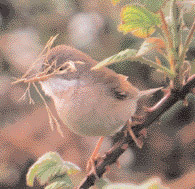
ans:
(52, 171)
(162, 34)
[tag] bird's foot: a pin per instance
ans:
(94, 157)
(91, 164)
(143, 133)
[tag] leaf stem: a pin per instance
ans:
(169, 42)
(166, 29)
(175, 25)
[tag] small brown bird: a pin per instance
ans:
(90, 102)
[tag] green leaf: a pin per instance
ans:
(47, 172)
(121, 56)
(62, 181)
(138, 20)
(152, 43)
(60, 178)
(42, 164)
(130, 54)
(58, 185)
(48, 167)
(69, 168)
(157, 44)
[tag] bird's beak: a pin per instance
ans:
(149, 92)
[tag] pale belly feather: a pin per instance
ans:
(88, 110)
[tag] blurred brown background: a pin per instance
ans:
(25, 134)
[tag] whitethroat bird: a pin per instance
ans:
(91, 102)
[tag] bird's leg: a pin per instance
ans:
(94, 156)
(143, 132)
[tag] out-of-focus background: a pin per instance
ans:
(25, 134)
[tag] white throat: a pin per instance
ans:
(55, 86)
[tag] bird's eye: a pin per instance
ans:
(63, 69)
(119, 94)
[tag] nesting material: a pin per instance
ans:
(49, 70)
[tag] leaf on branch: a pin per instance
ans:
(152, 43)
(138, 20)
(157, 44)
(51, 168)
(130, 54)
(121, 56)
(59, 185)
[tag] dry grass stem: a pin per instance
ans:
(52, 118)
(27, 92)
(44, 52)
(50, 70)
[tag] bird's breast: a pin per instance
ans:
(88, 109)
